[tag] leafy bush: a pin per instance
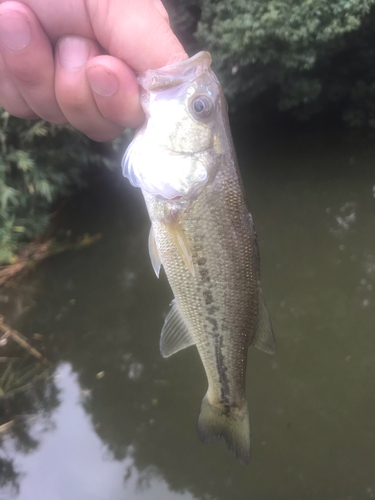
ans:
(38, 163)
(288, 43)
(301, 55)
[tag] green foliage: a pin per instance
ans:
(38, 163)
(289, 33)
(288, 44)
(300, 55)
(361, 114)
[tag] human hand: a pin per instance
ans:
(75, 61)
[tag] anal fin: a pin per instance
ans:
(264, 338)
(175, 334)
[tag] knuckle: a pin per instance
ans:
(13, 102)
(102, 134)
(57, 120)
(29, 71)
(51, 113)
(20, 111)
(25, 75)
(70, 99)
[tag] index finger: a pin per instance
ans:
(138, 32)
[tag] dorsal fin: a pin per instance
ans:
(153, 251)
(175, 334)
(264, 338)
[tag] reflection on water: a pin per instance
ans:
(125, 422)
(25, 418)
(85, 468)
(345, 220)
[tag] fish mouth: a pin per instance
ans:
(155, 80)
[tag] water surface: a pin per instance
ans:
(117, 420)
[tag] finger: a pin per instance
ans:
(158, 4)
(28, 58)
(145, 41)
(73, 92)
(115, 90)
(10, 98)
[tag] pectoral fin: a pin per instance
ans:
(175, 334)
(153, 251)
(182, 244)
(264, 338)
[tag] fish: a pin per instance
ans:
(202, 233)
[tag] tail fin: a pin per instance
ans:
(233, 424)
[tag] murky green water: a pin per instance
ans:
(118, 421)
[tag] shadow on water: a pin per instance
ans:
(125, 417)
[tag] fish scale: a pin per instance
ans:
(205, 238)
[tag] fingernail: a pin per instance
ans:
(73, 52)
(14, 30)
(102, 81)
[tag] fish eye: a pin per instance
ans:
(201, 107)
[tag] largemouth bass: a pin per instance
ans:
(202, 233)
